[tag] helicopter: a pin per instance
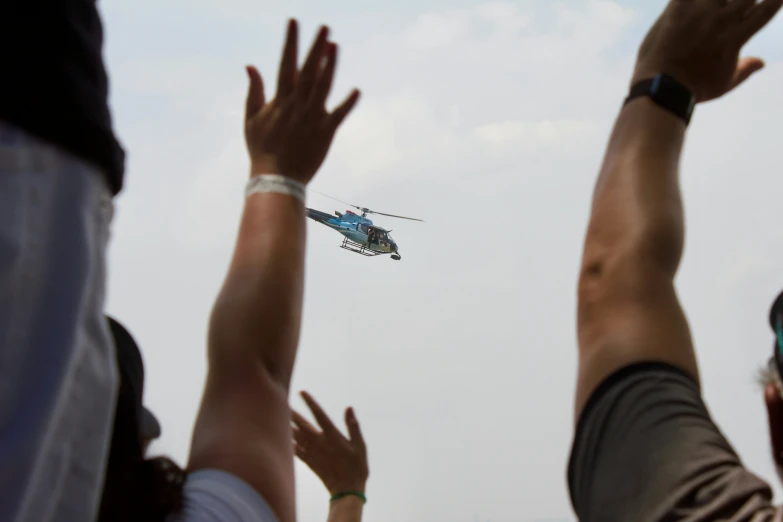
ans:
(361, 235)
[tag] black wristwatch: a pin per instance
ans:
(668, 93)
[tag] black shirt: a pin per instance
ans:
(52, 80)
(647, 450)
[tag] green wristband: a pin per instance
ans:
(359, 494)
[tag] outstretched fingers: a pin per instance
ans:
(738, 7)
(323, 84)
(312, 65)
(756, 17)
(304, 434)
(255, 92)
(301, 424)
(341, 112)
(286, 78)
(354, 430)
(321, 418)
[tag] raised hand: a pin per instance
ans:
(698, 42)
(291, 134)
(340, 462)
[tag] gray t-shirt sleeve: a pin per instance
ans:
(212, 495)
(646, 450)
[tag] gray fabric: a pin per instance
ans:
(58, 375)
(647, 450)
(213, 495)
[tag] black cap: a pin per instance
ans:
(775, 311)
(131, 369)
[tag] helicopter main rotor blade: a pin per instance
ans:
(339, 200)
(392, 215)
(364, 209)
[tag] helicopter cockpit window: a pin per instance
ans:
(365, 228)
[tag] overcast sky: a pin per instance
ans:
(488, 120)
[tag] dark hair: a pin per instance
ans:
(137, 488)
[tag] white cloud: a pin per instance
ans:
(445, 28)
(504, 16)
(600, 22)
(524, 132)
(438, 30)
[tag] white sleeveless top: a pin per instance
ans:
(212, 495)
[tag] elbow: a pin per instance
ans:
(237, 343)
(625, 264)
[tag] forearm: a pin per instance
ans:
(258, 312)
(346, 509)
(637, 208)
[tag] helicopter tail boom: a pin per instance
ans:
(317, 215)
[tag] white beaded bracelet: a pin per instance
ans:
(277, 184)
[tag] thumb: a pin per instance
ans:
(745, 69)
(255, 92)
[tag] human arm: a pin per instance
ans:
(628, 309)
(645, 447)
(346, 509)
(243, 425)
(340, 462)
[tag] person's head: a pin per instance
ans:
(772, 379)
(136, 488)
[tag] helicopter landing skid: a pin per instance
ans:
(360, 249)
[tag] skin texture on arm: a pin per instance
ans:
(346, 509)
(628, 308)
(340, 462)
(243, 425)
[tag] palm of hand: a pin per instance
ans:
(288, 139)
(340, 465)
(340, 462)
(291, 135)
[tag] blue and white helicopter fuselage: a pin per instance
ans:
(361, 235)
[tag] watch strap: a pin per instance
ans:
(666, 92)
